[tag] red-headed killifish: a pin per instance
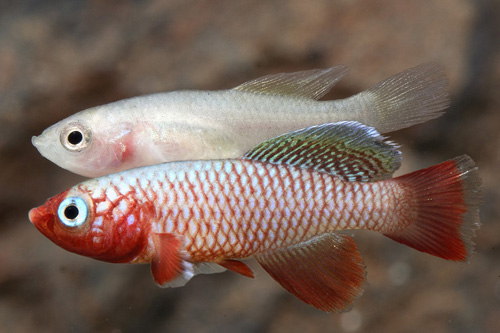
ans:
(282, 203)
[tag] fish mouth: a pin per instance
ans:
(37, 215)
(43, 146)
(41, 218)
(40, 144)
(36, 141)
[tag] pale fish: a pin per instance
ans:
(282, 203)
(193, 125)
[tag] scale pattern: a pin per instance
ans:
(237, 208)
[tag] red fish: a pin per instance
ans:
(282, 203)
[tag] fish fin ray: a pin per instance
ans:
(312, 84)
(326, 272)
(347, 149)
(237, 267)
(405, 99)
(168, 263)
(447, 199)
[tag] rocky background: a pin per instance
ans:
(59, 56)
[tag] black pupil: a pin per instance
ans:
(75, 137)
(71, 212)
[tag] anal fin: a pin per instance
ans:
(326, 272)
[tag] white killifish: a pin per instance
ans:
(193, 125)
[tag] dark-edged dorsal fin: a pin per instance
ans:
(347, 149)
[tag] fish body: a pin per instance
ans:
(282, 203)
(237, 208)
(193, 125)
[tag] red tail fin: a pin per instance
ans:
(447, 197)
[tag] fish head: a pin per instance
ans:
(95, 228)
(87, 143)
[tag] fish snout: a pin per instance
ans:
(43, 142)
(35, 140)
(40, 217)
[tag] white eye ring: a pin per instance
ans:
(76, 136)
(73, 211)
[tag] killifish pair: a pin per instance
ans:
(282, 203)
(193, 125)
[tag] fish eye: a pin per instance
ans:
(76, 136)
(73, 211)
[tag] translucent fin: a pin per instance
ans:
(408, 98)
(326, 272)
(196, 268)
(309, 84)
(447, 198)
(347, 149)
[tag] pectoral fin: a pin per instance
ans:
(167, 263)
(326, 272)
(312, 84)
(170, 265)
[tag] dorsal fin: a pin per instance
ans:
(313, 83)
(347, 149)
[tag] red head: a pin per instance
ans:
(93, 227)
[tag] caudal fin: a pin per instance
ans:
(408, 98)
(447, 197)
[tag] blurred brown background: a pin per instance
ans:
(59, 56)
